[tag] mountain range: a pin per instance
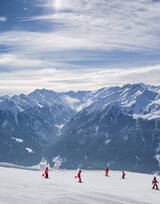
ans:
(116, 127)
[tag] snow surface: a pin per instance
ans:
(57, 162)
(29, 187)
(59, 126)
(72, 100)
(17, 139)
(107, 142)
(29, 150)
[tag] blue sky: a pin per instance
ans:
(78, 44)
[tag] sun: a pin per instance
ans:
(57, 4)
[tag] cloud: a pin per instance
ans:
(97, 24)
(127, 25)
(81, 32)
(11, 60)
(42, 42)
(65, 80)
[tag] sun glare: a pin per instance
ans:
(57, 4)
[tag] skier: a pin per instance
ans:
(46, 172)
(154, 182)
(79, 176)
(123, 175)
(106, 170)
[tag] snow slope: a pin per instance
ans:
(25, 186)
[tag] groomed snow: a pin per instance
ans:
(21, 186)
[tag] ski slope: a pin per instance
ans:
(22, 186)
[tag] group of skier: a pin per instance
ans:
(107, 173)
(45, 174)
(154, 181)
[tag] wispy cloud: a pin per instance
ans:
(130, 25)
(11, 60)
(65, 80)
(42, 42)
(104, 25)
(84, 32)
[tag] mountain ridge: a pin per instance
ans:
(48, 122)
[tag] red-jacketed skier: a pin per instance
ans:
(79, 176)
(107, 171)
(46, 172)
(123, 175)
(154, 182)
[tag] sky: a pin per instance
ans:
(65, 45)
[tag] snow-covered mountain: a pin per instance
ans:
(138, 100)
(118, 127)
(28, 123)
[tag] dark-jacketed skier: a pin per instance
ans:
(154, 182)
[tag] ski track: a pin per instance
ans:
(29, 187)
(97, 198)
(106, 198)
